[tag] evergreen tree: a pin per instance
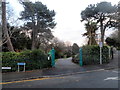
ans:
(102, 14)
(38, 18)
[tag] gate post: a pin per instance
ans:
(80, 61)
(53, 57)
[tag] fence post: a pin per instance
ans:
(80, 61)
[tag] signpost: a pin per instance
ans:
(100, 45)
(21, 64)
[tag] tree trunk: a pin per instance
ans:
(4, 27)
(93, 40)
(119, 21)
(33, 40)
(33, 37)
(90, 37)
(102, 36)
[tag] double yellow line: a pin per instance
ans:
(31, 80)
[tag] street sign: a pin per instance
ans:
(21, 63)
(100, 44)
(48, 57)
(6, 67)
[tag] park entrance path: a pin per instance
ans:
(66, 66)
(63, 66)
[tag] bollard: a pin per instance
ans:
(80, 61)
(53, 57)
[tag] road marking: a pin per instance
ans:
(115, 71)
(54, 77)
(31, 80)
(111, 78)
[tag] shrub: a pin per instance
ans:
(59, 54)
(118, 48)
(91, 55)
(35, 59)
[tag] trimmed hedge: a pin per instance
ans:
(91, 55)
(35, 59)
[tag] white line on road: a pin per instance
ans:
(111, 78)
(115, 71)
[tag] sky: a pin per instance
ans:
(68, 28)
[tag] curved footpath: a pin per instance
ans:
(62, 67)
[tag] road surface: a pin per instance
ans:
(93, 79)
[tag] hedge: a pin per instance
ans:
(91, 55)
(35, 59)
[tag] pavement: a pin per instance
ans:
(63, 67)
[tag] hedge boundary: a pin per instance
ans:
(35, 59)
(91, 55)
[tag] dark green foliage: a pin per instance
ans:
(38, 13)
(91, 28)
(110, 41)
(40, 20)
(58, 53)
(97, 10)
(91, 55)
(68, 54)
(100, 13)
(21, 41)
(114, 40)
(75, 49)
(35, 59)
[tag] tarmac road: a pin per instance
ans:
(95, 79)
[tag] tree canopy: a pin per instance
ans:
(101, 13)
(113, 40)
(91, 28)
(38, 18)
(75, 49)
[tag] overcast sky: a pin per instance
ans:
(68, 28)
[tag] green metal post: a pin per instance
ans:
(53, 57)
(81, 61)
